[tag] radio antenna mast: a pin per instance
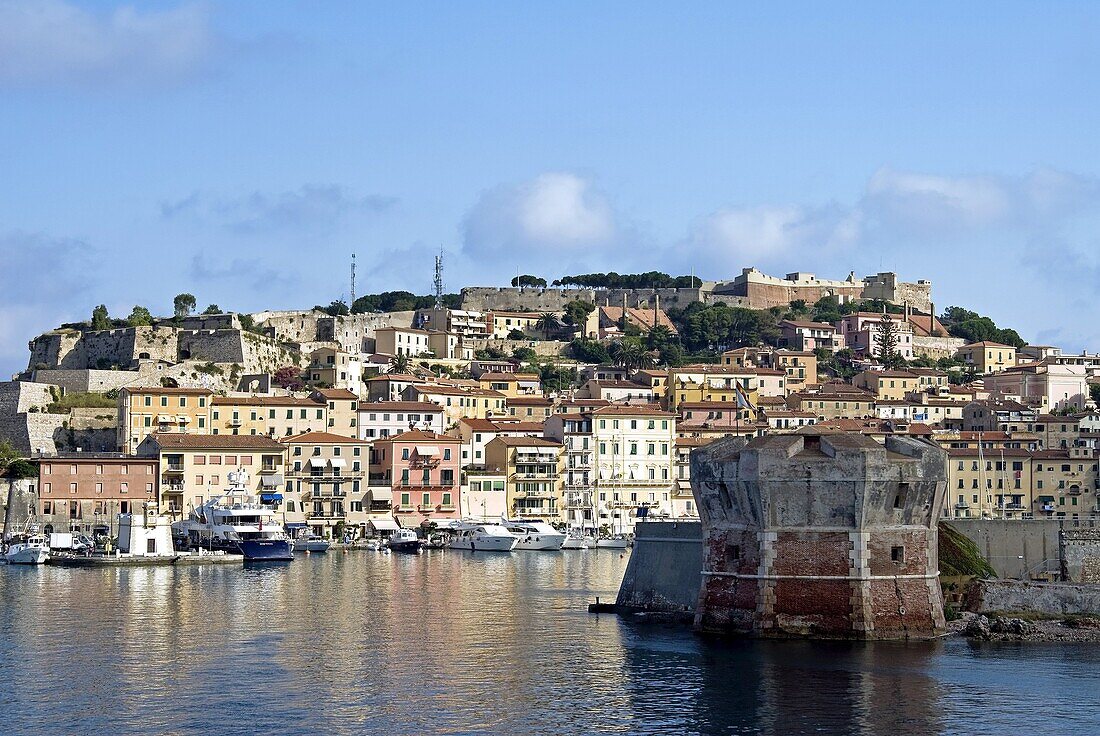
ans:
(352, 280)
(438, 283)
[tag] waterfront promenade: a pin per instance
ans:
(449, 642)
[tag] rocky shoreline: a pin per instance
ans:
(981, 627)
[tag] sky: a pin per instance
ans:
(242, 151)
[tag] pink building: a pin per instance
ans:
(860, 331)
(423, 471)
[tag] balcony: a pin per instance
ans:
(534, 476)
(173, 468)
(269, 468)
(235, 422)
(169, 487)
(961, 505)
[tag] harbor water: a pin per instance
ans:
(451, 642)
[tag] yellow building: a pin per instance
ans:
(525, 322)
(987, 357)
(343, 410)
(326, 484)
(891, 385)
(143, 411)
(845, 405)
(698, 383)
(194, 467)
(459, 402)
(273, 416)
(532, 468)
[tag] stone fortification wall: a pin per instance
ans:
(936, 347)
(521, 299)
(885, 286)
(548, 348)
(1016, 548)
(828, 536)
(53, 349)
(122, 347)
(290, 326)
(1049, 599)
(663, 573)
(351, 332)
(764, 292)
(228, 321)
(21, 396)
(87, 379)
(1080, 553)
(18, 504)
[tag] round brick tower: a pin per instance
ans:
(820, 535)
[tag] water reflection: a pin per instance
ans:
(453, 642)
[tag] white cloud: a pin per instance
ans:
(734, 237)
(558, 210)
(52, 41)
(313, 207)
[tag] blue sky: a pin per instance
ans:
(241, 151)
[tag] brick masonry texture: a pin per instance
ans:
(830, 536)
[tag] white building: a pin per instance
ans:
(388, 418)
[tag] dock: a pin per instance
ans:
(181, 558)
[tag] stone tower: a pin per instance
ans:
(820, 535)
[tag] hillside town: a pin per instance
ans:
(577, 402)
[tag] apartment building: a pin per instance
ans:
(987, 357)
(334, 368)
(834, 405)
(633, 463)
(476, 434)
(342, 417)
(145, 410)
(861, 332)
(504, 322)
(408, 341)
(82, 492)
(891, 385)
(532, 468)
(574, 432)
(462, 322)
(807, 336)
(386, 418)
(193, 468)
(529, 408)
(459, 402)
(1052, 387)
(271, 416)
(326, 487)
(422, 471)
(718, 383)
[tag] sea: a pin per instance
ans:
(450, 642)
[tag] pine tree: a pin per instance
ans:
(887, 340)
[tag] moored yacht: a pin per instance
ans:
(404, 540)
(482, 537)
(576, 539)
(33, 550)
(617, 541)
(311, 543)
(535, 535)
(235, 522)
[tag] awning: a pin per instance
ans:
(295, 525)
(427, 450)
(183, 419)
(338, 462)
(316, 462)
(1049, 499)
(270, 497)
(165, 419)
(271, 481)
(381, 494)
(384, 524)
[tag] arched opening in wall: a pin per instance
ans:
(185, 354)
(48, 529)
(143, 356)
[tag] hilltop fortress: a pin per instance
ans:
(752, 289)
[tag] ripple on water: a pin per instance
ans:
(452, 642)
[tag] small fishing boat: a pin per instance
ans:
(311, 543)
(405, 540)
(33, 550)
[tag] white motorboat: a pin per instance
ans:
(34, 550)
(576, 539)
(616, 542)
(404, 540)
(374, 545)
(311, 543)
(482, 538)
(535, 535)
(234, 522)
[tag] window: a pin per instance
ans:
(124, 488)
(404, 453)
(897, 554)
(446, 453)
(406, 499)
(427, 499)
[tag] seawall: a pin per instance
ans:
(665, 569)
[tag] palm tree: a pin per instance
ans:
(400, 364)
(546, 322)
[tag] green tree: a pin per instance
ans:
(524, 355)
(589, 351)
(212, 309)
(183, 305)
(139, 317)
(1094, 392)
(100, 319)
(400, 364)
(516, 334)
(886, 341)
(546, 322)
(576, 312)
(336, 308)
(528, 280)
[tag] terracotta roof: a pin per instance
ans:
(603, 383)
(266, 401)
(321, 438)
(525, 442)
(178, 440)
(497, 376)
(528, 401)
(632, 410)
(337, 393)
(1051, 419)
(986, 344)
(424, 406)
(418, 435)
(808, 324)
(168, 391)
